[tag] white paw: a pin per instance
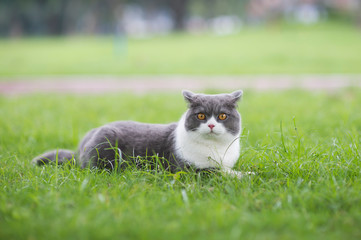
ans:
(237, 173)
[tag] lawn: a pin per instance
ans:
(303, 146)
(319, 49)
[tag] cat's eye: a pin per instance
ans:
(201, 116)
(222, 116)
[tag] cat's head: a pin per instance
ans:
(213, 115)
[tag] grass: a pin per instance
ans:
(319, 49)
(304, 147)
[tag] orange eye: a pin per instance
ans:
(222, 116)
(201, 116)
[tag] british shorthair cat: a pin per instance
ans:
(206, 136)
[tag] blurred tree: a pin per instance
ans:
(58, 17)
(29, 17)
(358, 15)
(55, 15)
(179, 10)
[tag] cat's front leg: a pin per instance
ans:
(235, 173)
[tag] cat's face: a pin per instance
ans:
(213, 116)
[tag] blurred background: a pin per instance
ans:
(142, 18)
(179, 43)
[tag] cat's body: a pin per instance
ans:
(206, 136)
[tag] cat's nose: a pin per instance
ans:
(211, 126)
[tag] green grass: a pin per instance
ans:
(320, 49)
(304, 147)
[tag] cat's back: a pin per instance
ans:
(130, 133)
(144, 130)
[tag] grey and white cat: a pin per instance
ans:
(206, 136)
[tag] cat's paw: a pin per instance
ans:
(237, 174)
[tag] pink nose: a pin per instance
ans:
(211, 126)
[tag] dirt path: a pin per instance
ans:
(143, 84)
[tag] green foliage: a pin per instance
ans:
(279, 50)
(304, 148)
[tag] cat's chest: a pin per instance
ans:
(207, 153)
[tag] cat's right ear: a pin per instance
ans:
(188, 96)
(237, 95)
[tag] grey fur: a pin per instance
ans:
(212, 106)
(117, 143)
(133, 139)
(61, 156)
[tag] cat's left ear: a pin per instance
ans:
(188, 96)
(236, 96)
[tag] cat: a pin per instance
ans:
(207, 136)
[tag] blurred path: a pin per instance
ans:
(144, 84)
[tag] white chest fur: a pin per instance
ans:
(203, 151)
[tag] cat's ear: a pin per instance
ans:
(188, 96)
(236, 96)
